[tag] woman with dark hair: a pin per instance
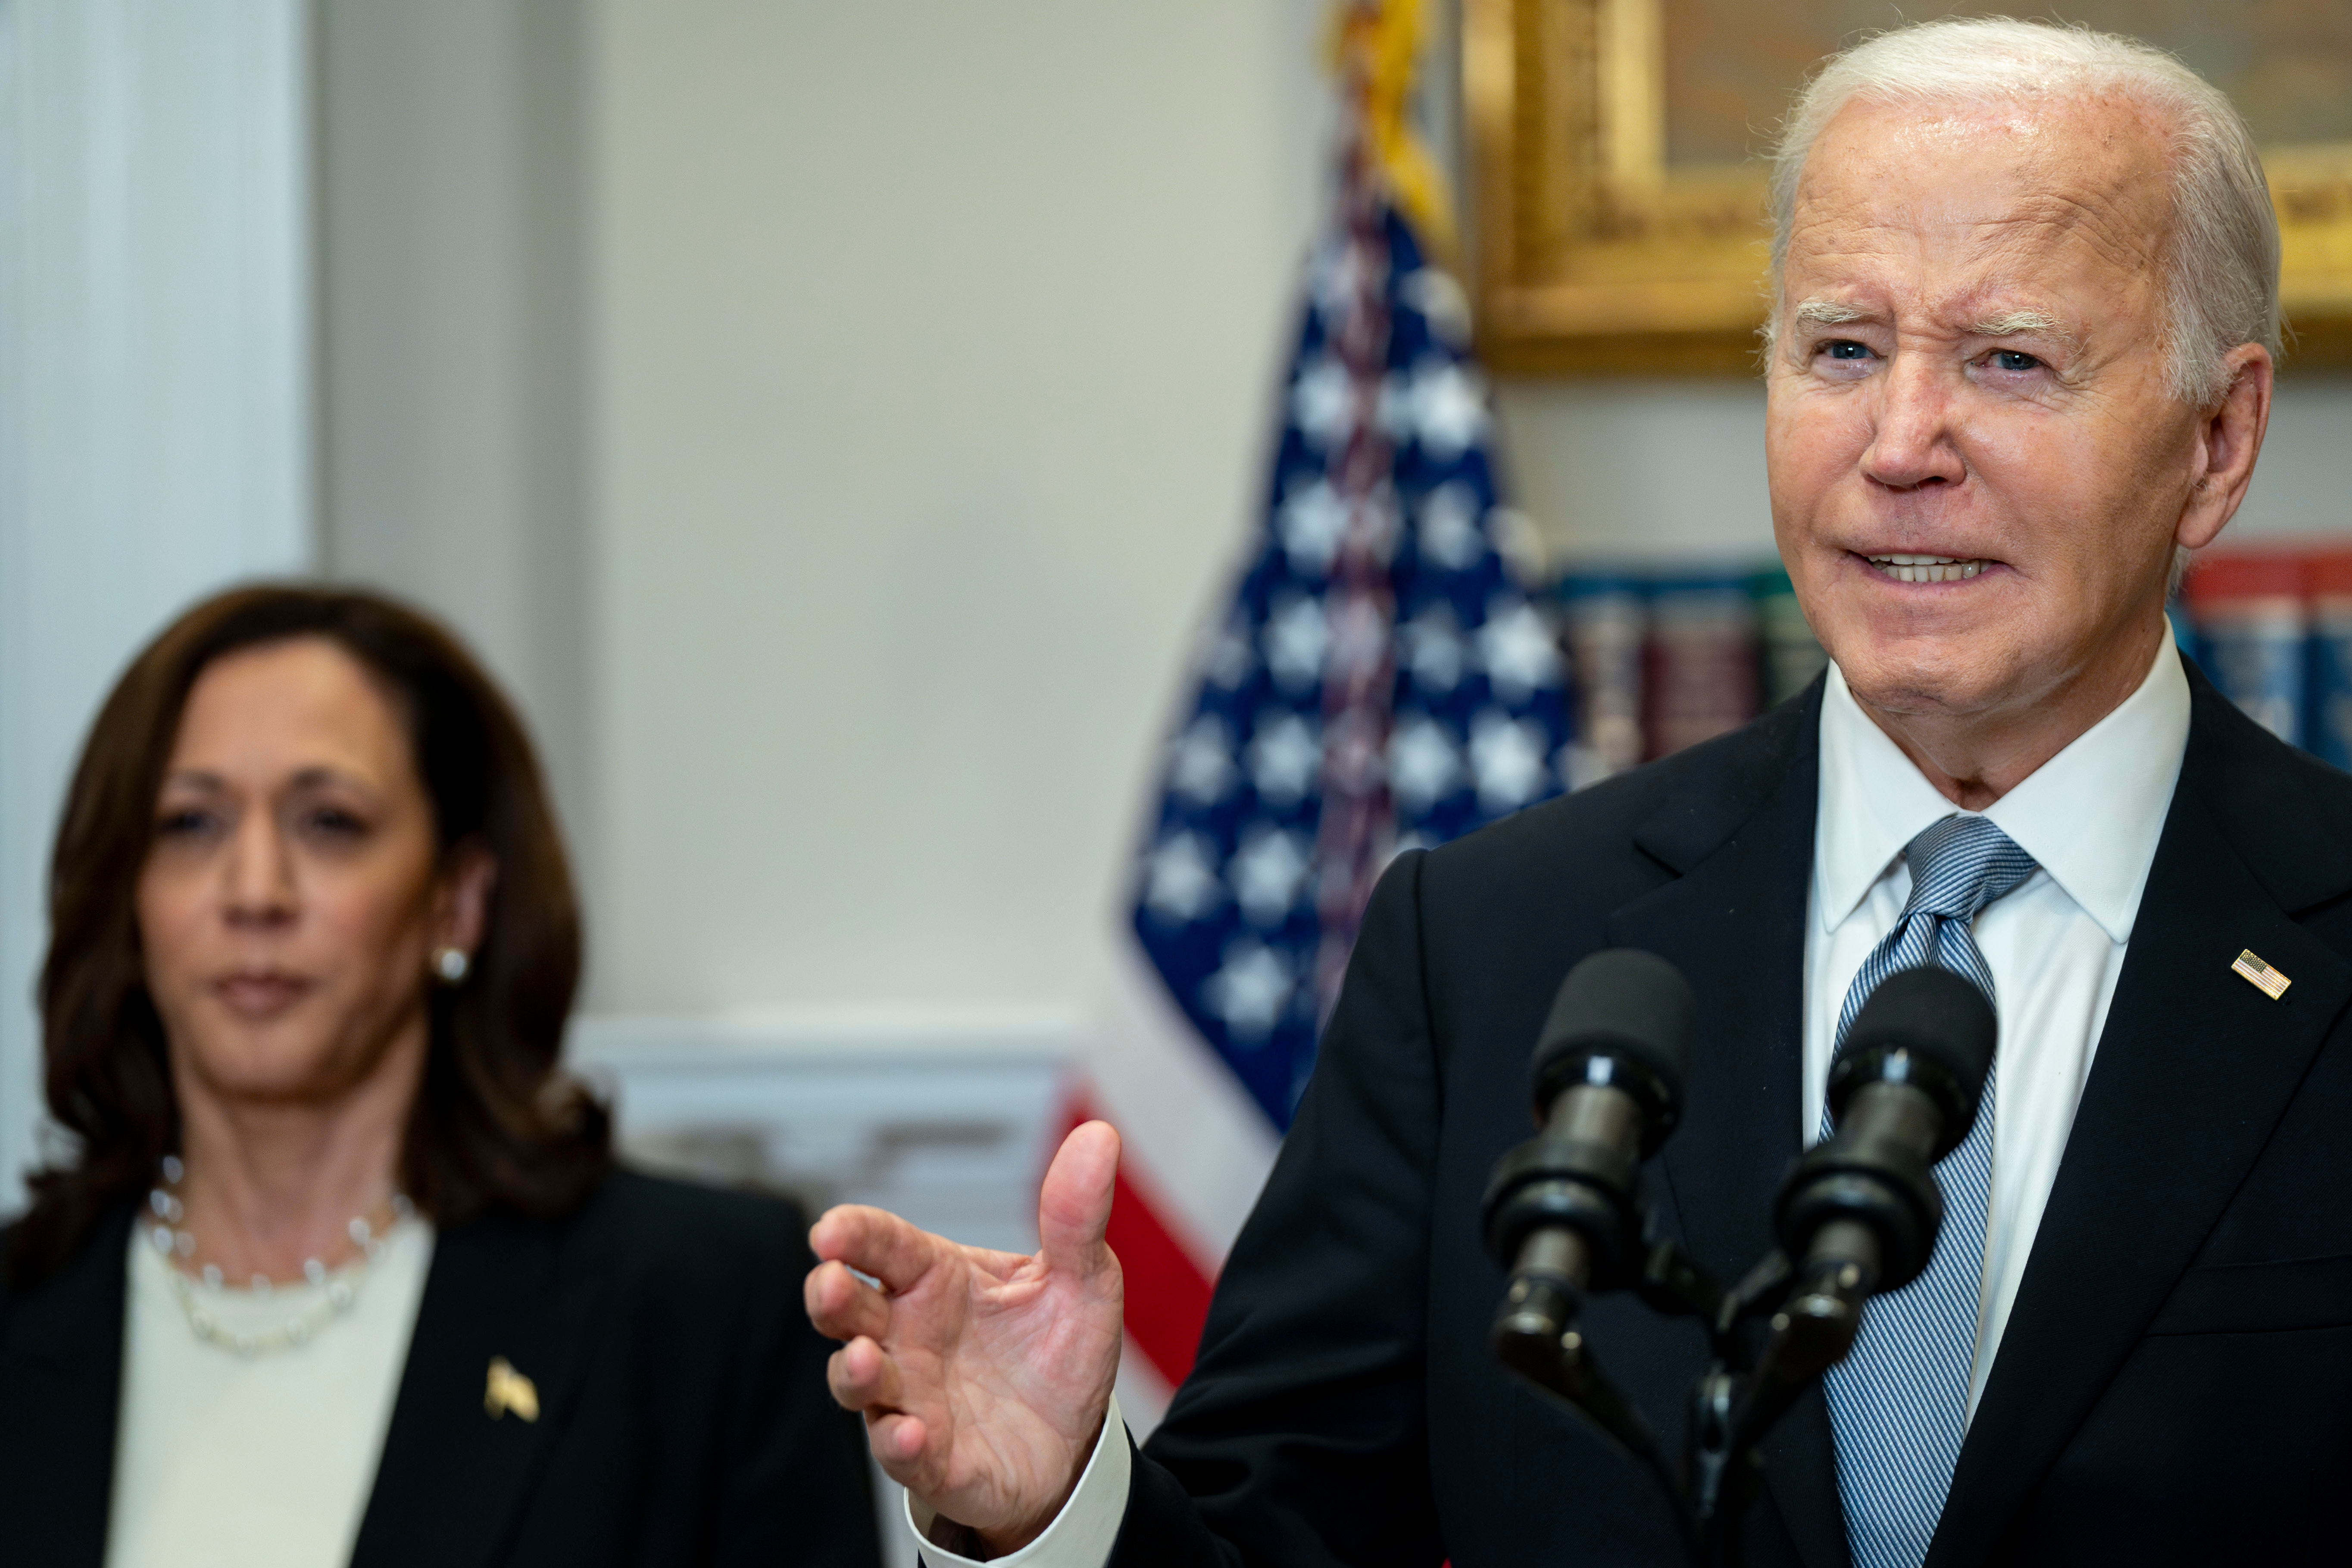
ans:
(340, 1267)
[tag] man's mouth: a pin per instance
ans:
(1926, 568)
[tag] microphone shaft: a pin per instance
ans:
(1595, 1113)
(1892, 1116)
(1843, 1260)
(1555, 1253)
(1554, 1263)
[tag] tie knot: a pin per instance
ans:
(1961, 865)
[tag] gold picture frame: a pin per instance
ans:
(1594, 256)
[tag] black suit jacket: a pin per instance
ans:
(2175, 1383)
(683, 1412)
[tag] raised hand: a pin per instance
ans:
(983, 1376)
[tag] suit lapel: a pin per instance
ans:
(453, 1477)
(2193, 1071)
(61, 1400)
(1741, 836)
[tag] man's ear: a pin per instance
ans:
(2229, 436)
(463, 912)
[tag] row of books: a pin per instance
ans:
(1663, 658)
(1660, 659)
(2272, 626)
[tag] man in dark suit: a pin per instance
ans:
(2020, 357)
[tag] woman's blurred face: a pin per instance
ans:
(291, 900)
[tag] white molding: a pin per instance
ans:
(852, 1033)
(945, 1117)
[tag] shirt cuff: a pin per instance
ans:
(1081, 1535)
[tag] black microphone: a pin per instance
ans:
(1859, 1212)
(1563, 1211)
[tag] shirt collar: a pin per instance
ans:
(2090, 817)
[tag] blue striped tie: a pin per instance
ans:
(1899, 1402)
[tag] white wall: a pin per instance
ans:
(1641, 469)
(934, 346)
(2303, 481)
(155, 415)
(451, 259)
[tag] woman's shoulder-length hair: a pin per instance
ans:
(497, 1122)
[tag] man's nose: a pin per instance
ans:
(1912, 439)
(259, 873)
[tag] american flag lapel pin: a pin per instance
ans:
(2261, 976)
(509, 1391)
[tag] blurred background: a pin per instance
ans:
(834, 423)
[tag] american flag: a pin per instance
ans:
(1379, 681)
(1382, 681)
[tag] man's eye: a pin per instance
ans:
(2013, 359)
(1845, 348)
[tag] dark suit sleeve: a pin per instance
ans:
(787, 1441)
(1299, 1437)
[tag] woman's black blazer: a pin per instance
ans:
(683, 1417)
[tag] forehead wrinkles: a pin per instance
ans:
(2116, 219)
(1995, 195)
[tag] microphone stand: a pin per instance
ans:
(1862, 1210)
(1773, 1335)
(1808, 1318)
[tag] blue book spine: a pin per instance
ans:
(2255, 653)
(2328, 710)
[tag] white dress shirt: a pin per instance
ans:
(268, 1461)
(2090, 817)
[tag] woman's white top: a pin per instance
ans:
(264, 1461)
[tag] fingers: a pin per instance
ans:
(897, 1443)
(843, 1306)
(902, 1446)
(862, 1378)
(1074, 1204)
(876, 1242)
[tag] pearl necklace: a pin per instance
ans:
(338, 1290)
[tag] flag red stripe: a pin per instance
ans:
(1167, 1293)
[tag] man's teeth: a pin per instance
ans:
(1926, 568)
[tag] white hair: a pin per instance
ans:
(2221, 253)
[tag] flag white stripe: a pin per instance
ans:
(1195, 1139)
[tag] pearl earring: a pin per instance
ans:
(451, 965)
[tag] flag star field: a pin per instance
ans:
(1233, 897)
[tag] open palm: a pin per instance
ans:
(983, 1376)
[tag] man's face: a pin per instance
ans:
(1970, 370)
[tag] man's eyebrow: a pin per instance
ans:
(2009, 323)
(1830, 313)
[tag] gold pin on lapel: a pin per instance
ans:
(2261, 976)
(509, 1390)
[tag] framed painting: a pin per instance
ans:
(1617, 181)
